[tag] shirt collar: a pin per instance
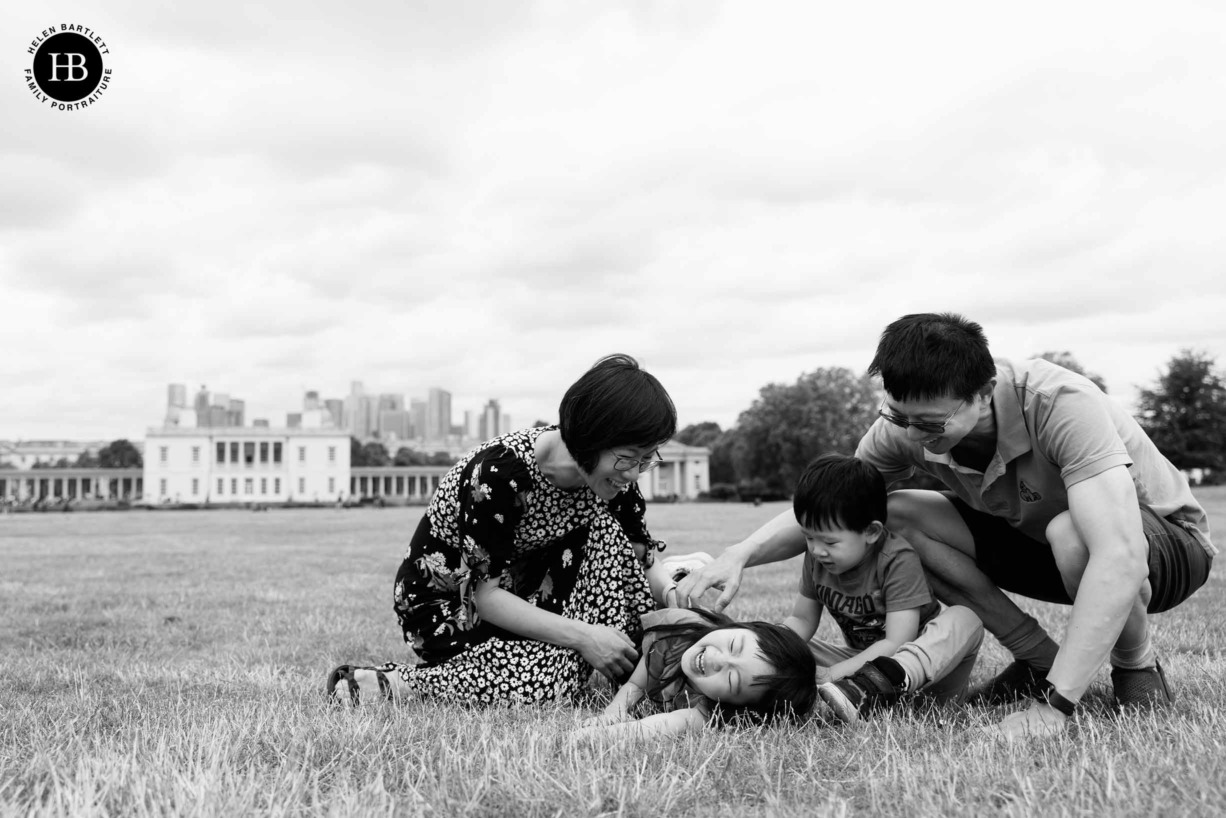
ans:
(1012, 439)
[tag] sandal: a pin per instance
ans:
(353, 691)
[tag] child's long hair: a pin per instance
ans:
(788, 693)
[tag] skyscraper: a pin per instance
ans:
(490, 419)
(438, 414)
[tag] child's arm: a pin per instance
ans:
(687, 720)
(900, 627)
(806, 613)
(627, 696)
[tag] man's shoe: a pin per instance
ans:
(865, 690)
(1141, 688)
(1019, 680)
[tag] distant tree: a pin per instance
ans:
(538, 423)
(1184, 413)
(721, 468)
(442, 459)
(789, 425)
(86, 460)
(119, 454)
(700, 434)
(375, 453)
(410, 457)
(357, 457)
(1066, 360)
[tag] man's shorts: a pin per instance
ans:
(1178, 563)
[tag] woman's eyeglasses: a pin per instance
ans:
(645, 464)
(932, 427)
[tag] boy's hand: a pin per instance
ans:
(1040, 720)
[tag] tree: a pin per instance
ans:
(375, 453)
(1066, 360)
(410, 457)
(789, 425)
(356, 456)
(119, 454)
(1184, 413)
(86, 460)
(441, 459)
(700, 434)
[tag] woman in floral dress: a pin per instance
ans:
(532, 565)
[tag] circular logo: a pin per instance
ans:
(68, 67)
(67, 71)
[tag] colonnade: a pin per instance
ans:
(404, 482)
(33, 485)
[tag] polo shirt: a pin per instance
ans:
(1054, 428)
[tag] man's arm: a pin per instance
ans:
(779, 539)
(1107, 515)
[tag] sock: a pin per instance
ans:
(1030, 643)
(1137, 657)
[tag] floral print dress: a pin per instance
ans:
(496, 517)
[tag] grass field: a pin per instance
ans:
(171, 664)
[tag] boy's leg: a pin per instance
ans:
(940, 660)
(946, 534)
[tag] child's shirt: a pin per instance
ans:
(889, 579)
(663, 654)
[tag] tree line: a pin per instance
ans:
(829, 409)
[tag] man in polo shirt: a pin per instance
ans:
(1053, 493)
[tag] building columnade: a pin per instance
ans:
(34, 485)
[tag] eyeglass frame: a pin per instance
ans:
(645, 464)
(930, 427)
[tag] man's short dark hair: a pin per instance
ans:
(927, 356)
(615, 403)
(839, 491)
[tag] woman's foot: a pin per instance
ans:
(349, 685)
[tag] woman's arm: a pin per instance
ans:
(606, 649)
(900, 627)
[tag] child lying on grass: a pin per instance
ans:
(702, 669)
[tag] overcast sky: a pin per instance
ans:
(487, 197)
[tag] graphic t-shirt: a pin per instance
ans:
(889, 579)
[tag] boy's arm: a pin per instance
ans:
(900, 627)
(690, 719)
(805, 616)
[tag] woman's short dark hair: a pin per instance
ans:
(927, 356)
(615, 403)
(788, 693)
(839, 491)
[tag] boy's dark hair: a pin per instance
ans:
(839, 491)
(928, 356)
(615, 403)
(788, 693)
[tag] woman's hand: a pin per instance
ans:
(608, 650)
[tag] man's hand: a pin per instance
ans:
(1040, 720)
(723, 572)
(609, 651)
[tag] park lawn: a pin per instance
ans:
(171, 663)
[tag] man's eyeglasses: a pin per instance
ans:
(646, 464)
(932, 427)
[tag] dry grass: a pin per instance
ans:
(171, 663)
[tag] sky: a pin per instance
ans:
(488, 196)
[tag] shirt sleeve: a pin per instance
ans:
(493, 490)
(1078, 434)
(878, 448)
(903, 585)
(630, 509)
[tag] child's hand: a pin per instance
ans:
(823, 675)
(601, 719)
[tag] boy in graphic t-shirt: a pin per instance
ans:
(870, 580)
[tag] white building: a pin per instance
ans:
(245, 465)
(24, 454)
(683, 475)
